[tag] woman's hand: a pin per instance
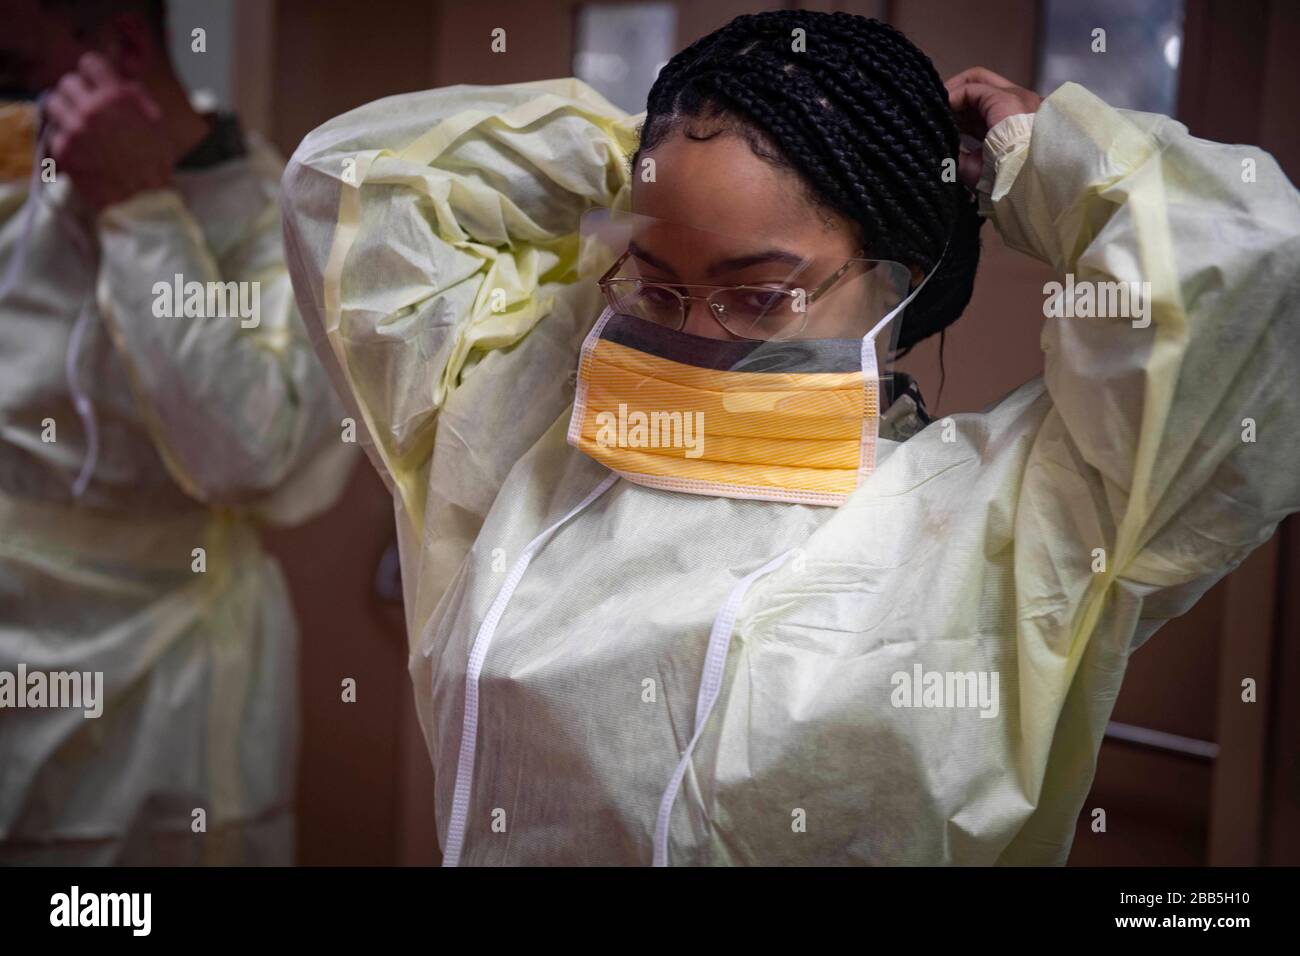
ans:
(981, 99)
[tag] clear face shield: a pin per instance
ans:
(733, 365)
(753, 292)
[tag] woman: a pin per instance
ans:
(623, 658)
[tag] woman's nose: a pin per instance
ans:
(700, 322)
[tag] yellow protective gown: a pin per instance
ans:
(203, 428)
(970, 550)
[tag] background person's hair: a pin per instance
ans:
(88, 15)
(862, 116)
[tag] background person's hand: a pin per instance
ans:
(981, 99)
(107, 133)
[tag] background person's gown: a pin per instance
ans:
(204, 428)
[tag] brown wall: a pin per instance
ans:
(365, 780)
(331, 56)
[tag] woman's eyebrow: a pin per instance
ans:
(734, 264)
(646, 257)
(757, 258)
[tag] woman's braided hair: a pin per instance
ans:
(862, 116)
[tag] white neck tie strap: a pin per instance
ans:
(477, 654)
(715, 664)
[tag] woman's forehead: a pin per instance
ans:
(719, 184)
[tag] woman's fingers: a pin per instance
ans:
(978, 74)
(981, 106)
(970, 102)
(969, 167)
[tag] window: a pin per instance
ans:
(206, 75)
(1141, 40)
(622, 46)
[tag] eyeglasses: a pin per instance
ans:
(759, 312)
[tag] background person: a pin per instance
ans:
(129, 438)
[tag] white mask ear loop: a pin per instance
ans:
(869, 365)
(871, 374)
(80, 400)
(871, 336)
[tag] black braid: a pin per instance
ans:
(862, 116)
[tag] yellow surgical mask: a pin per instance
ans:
(792, 420)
